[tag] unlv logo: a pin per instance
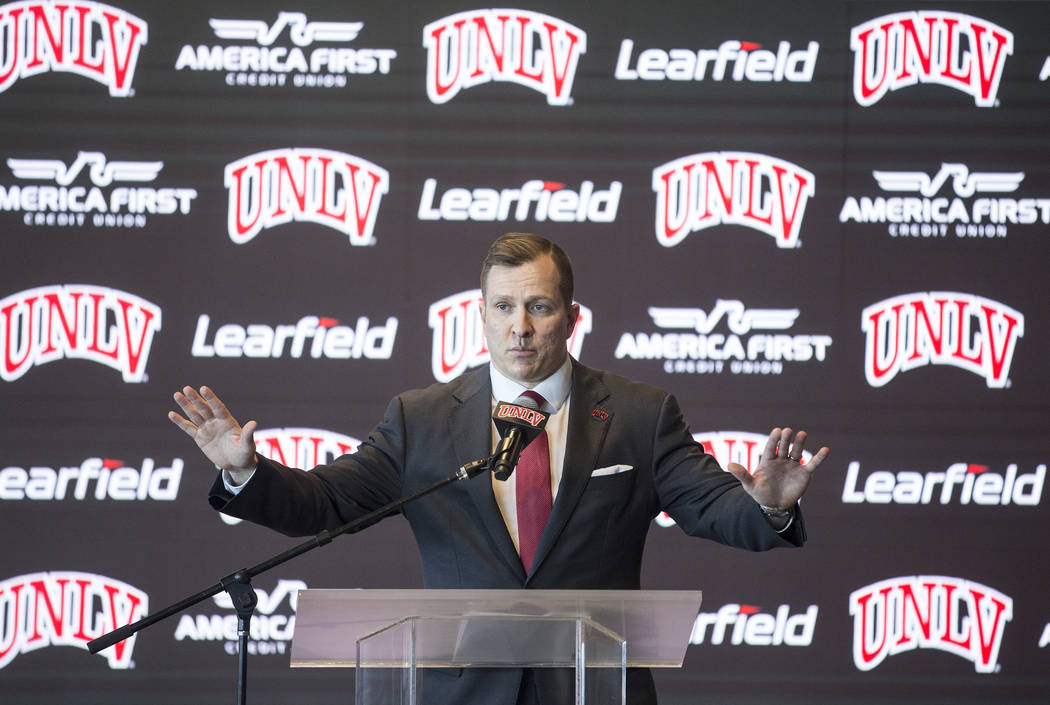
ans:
(459, 335)
(738, 188)
(334, 189)
(66, 608)
(515, 46)
(928, 612)
(948, 48)
(303, 447)
(940, 328)
(86, 38)
(111, 327)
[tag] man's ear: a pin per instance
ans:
(481, 309)
(574, 315)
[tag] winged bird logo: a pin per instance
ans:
(102, 172)
(965, 182)
(302, 32)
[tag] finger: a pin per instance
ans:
(188, 407)
(215, 404)
(740, 473)
(770, 451)
(817, 459)
(798, 447)
(182, 423)
(785, 443)
(247, 439)
(200, 406)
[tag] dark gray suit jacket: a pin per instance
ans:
(597, 529)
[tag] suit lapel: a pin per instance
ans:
(583, 442)
(470, 426)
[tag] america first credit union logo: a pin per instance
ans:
(940, 328)
(688, 341)
(263, 61)
(340, 191)
(459, 335)
(703, 190)
(958, 616)
(67, 608)
(90, 39)
(947, 48)
(502, 45)
(952, 200)
(77, 321)
(104, 196)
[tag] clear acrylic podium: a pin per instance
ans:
(391, 635)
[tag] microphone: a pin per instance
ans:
(517, 424)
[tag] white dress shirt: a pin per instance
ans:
(555, 389)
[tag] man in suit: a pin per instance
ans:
(574, 514)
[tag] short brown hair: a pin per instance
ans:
(515, 249)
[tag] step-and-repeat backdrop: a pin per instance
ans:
(830, 215)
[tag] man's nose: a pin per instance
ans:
(522, 325)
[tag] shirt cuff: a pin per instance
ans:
(227, 481)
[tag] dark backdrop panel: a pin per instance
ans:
(932, 192)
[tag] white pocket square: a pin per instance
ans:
(611, 470)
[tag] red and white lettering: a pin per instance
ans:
(715, 188)
(93, 40)
(459, 335)
(959, 616)
(303, 447)
(320, 186)
(940, 328)
(947, 48)
(77, 321)
(66, 608)
(516, 46)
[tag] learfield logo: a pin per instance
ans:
(459, 335)
(262, 60)
(959, 616)
(514, 46)
(303, 448)
(701, 191)
(270, 631)
(536, 200)
(946, 48)
(90, 39)
(95, 478)
(101, 198)
(737, 60)
(961, 483)
(690, 340)
(951, 200)
(940, 328)
(67, 608)
(320, 186)
(741, 447)
(739, 624)
(77, 321)
(315, 337)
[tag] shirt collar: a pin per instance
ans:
(555, 389)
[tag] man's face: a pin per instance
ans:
(526, 321)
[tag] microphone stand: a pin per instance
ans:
(238, 585)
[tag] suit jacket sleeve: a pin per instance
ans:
(299, 503)
(704, 499)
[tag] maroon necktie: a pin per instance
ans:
(533, 491)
